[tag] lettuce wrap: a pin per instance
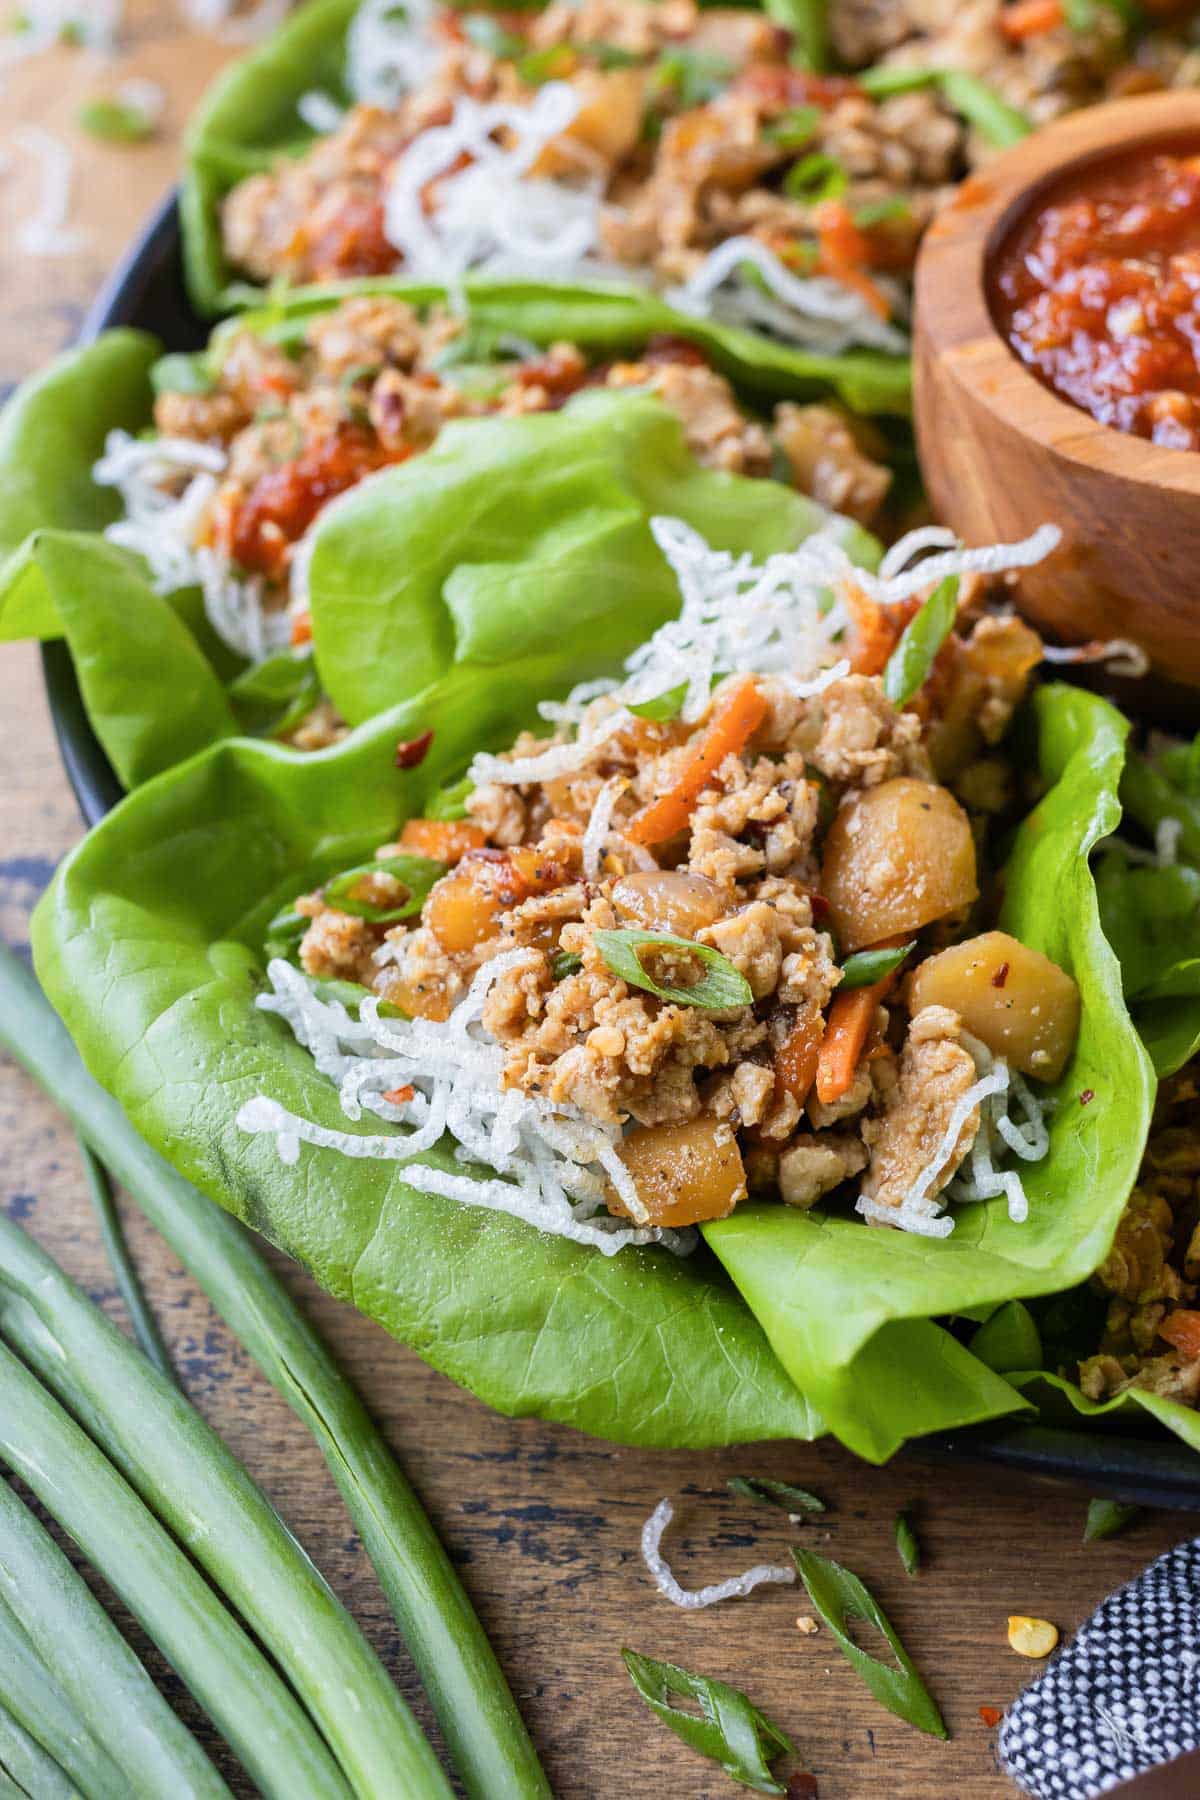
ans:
(577, 487)
(149, 944)
(254, 116)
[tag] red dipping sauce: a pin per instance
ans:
(1098, 291)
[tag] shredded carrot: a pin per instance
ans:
(847, 1028)
(443, 840)
(1182, 1329)
(734, 723)
(845, 252)
(796, 1057)
(1030, 18)
(301, 630)
(400, 1096)
(877, 629)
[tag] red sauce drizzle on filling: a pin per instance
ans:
(1099, 293)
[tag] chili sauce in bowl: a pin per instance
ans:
(1098, 292)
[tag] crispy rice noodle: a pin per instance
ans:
(692, 1599)
(744, 283)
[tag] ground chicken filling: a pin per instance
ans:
(694, 127)
(1151, 1276)
(814, 852)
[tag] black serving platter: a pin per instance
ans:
(146, 290)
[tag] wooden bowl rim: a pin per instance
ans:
(954, 320)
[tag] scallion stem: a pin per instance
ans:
(72, 1478)
(93, 1665)
(466, 1686)
(35, 1702)
(112, 1236)
(33, 1769)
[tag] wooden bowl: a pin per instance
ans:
(1001, 453)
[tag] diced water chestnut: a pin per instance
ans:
(897, 857)
(1014, 999)
(684, 1173)
(669, 900)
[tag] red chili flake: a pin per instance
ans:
(991, 1715)
(411, 753)
(301, 630)
(820, 907)
(1087, 1096)
(400, 1096)
(803, 1786)
(1001, 975)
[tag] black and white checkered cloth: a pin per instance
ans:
(1121, 1697)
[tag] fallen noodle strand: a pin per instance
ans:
(691, 1599)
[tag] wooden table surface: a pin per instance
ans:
(543, 1523)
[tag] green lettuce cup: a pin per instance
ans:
(168, 663)
(785, 1324)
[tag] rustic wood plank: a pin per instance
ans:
(543, 1522)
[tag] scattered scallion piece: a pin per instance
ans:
(909, 664)
(181, 1468)
(416, 874)
(564, 963)
(693, 77)
(808, 22)
(145, 1326)
(537, 66)
(794, 128)
(465, 1684)
(816, 177)
(994, 119)
(866, 967)
(115, 122)
(37, 1703)
(721, 986)
(1105, 1518)
(284, 933)
(775, 1493)
(135, 1732)
(896, 78)
(450, 802)
(273, 696)
(883, 212)
(839, 1595)
(908, 1547)
(730, 1729)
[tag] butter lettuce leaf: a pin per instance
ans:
(147, 942)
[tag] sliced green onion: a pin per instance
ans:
(181, 1468)
(693, 76)
(284, 934)
(720, 988)
(908, 1548)
(729, 1730)
(1105, 1518)
(564, 963)
(182, 373)
(488, 34)
(808, 22)
(775, 1493)
(115, 122)
(417, 874)
(883, 212)
(794, 128)
(816, 177)
(145, 1326)
(36, 1702)
(866, 967)
(994, 119)
(274, 696)
(610, 56)
(351, 995)
(888, 79)
(663, 706)
(133, 1728)
(457, 1665)
(840, 1596)
(538, 66)
(451, 802)
(909, 665)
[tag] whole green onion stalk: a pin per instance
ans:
(37, 1704)
(457, 1665)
